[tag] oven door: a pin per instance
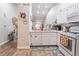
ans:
(68, 44)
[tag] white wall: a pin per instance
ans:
(7, 11)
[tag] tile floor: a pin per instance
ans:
(45, 51)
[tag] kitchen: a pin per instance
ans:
(47, 29)
(59, 28)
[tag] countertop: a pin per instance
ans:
(60, 32)
(68, 34)
(46, 31)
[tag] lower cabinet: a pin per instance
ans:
(47, 38)
(35, 39)
(58, 39)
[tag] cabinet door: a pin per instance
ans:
(45, 38)
(66, 12)
(77, 6)
(71, 9)
(36, 39)
(58, 39)
(49, 38)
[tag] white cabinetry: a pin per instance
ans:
(43, 38)
(71, 9)
(72, 13)
(65, 14)
(35, 38)
(58, 39)
(49, 38)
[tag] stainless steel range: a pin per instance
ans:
(69, 43)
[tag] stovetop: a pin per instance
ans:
(74, 32)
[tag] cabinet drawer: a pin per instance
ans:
(50, 34)
(36, 44)
(49, 43)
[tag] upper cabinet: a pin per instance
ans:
(70, 9)
(68, 14)
(72, 13)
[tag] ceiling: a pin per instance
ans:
(40, 10)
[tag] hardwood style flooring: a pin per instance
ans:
(9, 49)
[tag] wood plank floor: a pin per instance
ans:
(9, 49)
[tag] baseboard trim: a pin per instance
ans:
(4, 42)
(43, 46)
(28, 47)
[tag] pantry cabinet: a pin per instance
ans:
(43, 38)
